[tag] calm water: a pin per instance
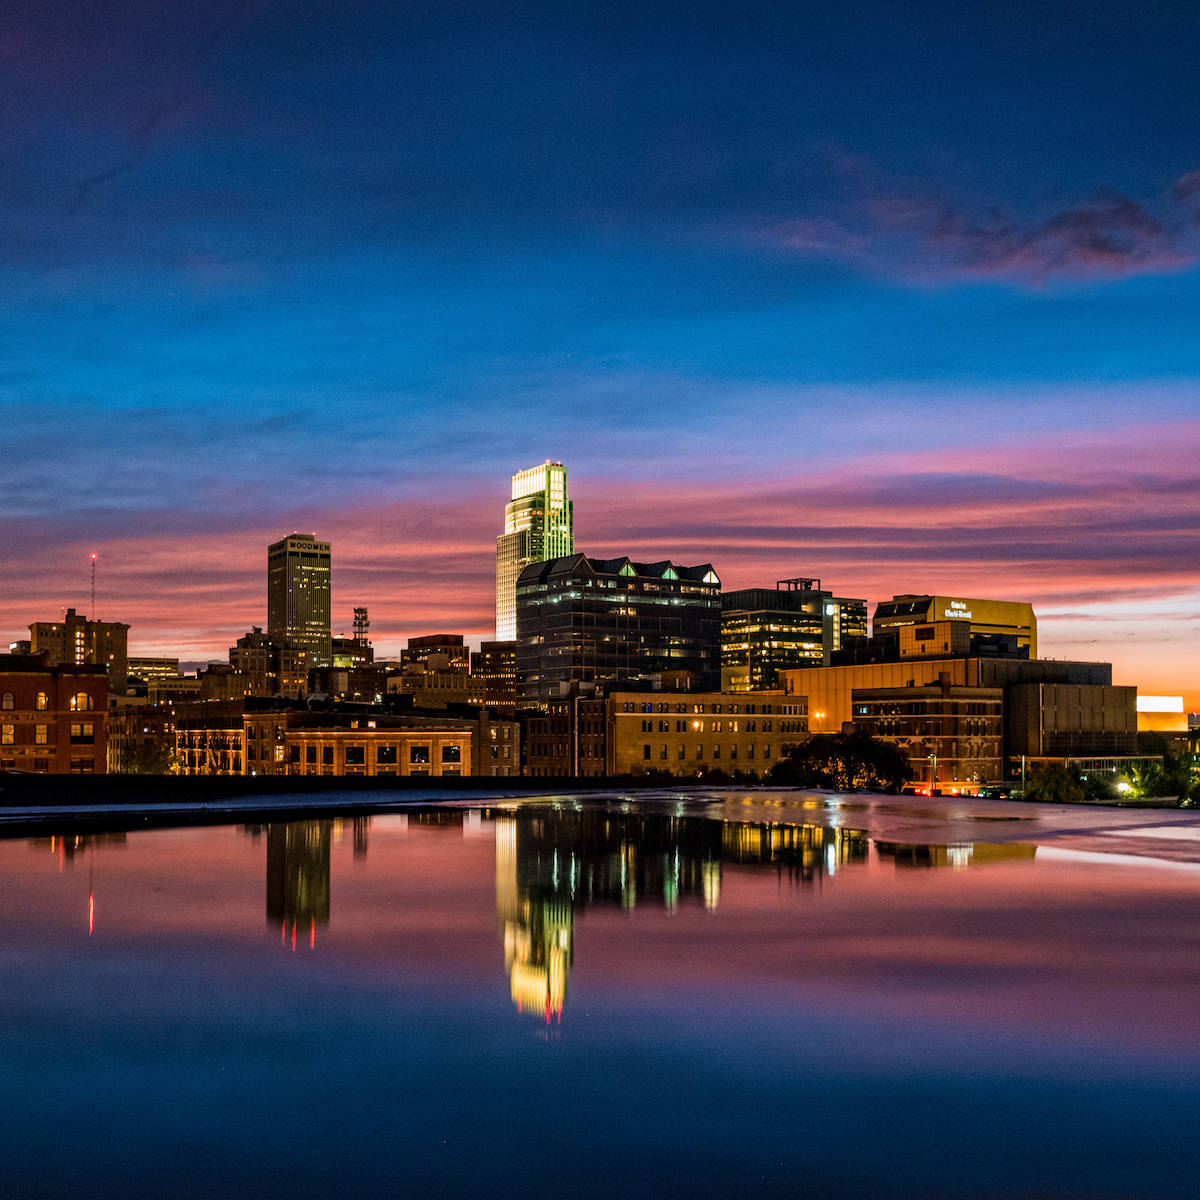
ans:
(607, 1000)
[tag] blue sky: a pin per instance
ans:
(347, 266)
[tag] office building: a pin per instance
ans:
(538, 525)
(298, 596)
(438, 651)
(75, 641)
(984, 618)
(269, 666)
(592, 620)
(496, 664)
(945, 704)
(794, 624)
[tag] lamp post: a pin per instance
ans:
(932, 773)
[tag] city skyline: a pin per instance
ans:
(894, 297)
(391, 628)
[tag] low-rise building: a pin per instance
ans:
(951, 735)
(53, 719)
(681, 734)
(232, 740)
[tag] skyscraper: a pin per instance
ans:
(538, 526)
(298, 578)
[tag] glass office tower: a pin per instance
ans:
(538, 526)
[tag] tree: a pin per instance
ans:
(847, 762)
(1054, 784)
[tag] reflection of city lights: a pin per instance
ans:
(91, 907)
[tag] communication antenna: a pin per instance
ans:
(361, 624)
(93, 587)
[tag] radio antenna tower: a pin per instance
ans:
(93, 587)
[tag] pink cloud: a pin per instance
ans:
(999, 520)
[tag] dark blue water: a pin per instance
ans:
(593, 1003)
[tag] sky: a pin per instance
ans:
(900, 296)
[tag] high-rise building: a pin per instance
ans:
(538, 526)
(794, 624)
(75, 641)
(298, 586)
(596, 620)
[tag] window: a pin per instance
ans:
(716, 752)
(418, 755)
(646, 751)
(7, 701)
(7, 734)
(356, 756)
(452, 754)
(39, 734)
(310, 754)
(81, 702)
(83, 733)
(294, 753)
(388, 756)
(41, 702)
(682, 752)
(327, 756)
(662, 752)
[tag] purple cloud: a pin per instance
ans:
(896, 230)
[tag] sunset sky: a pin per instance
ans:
(903, 296)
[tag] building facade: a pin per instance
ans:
(679, 734)
(270, 666)
(984, 618)
(226, 739)
(53, 719)
(951, 735)
(794, 624)
(496, 664)
(76, 641)
(538, 525)
(298, 596)
(590, 620)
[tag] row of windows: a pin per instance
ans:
(749, 709)
(698, 752)
(80, 702)
(385, 755)
(80, 734)
(716, 726)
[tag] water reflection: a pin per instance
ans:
(553, 862)
(954, 854)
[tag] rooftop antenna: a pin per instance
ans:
(93, 587)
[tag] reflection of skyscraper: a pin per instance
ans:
(298, 874)
(549, 863)
(538, 526)
(298, 586)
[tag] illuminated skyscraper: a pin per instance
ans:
(298, 585)
(538, 526)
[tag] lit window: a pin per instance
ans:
(7, 701)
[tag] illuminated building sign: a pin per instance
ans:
(958, 609)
